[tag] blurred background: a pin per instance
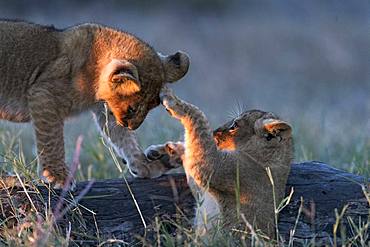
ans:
(307, 61)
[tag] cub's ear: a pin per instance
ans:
(124, 74)
(276, 127)
(175, 66)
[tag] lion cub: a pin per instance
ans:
(48, 75)
(228, 167)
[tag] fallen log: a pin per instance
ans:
(108, 209)
(323, 190)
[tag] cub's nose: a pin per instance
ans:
(217, 135)
(124, 122)
(153, 155)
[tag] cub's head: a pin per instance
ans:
(132, 75)
(254, 131)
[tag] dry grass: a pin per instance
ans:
(30, 226)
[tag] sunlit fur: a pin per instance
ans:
(48, 75)
(212, 170)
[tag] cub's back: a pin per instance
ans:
(25, 49)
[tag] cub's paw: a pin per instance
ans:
(173, 105)
(158, 167)
(150, 168)
(60, 179)
(169, 154)
(167, 97)
(138, 168)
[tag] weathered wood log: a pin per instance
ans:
(323, 189)
(108, 209)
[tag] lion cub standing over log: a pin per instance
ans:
(47, 75)
(228, 168)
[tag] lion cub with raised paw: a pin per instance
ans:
(229, 163)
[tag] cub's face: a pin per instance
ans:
(252, 128)
(131, 80)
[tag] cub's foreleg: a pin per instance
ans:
(125, 143)
(47, 114)
(201, 155)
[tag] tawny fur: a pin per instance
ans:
(248, 144)
(48, 75)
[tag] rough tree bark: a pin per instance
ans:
(108, 209)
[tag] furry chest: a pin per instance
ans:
(207, 212)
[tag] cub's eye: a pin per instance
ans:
(130, 111)
(124, 71)
(119, 75)
(234, 126)
(269, 136)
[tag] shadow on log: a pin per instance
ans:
(108, 210)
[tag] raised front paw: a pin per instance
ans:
(172, 104)
(167, 96)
